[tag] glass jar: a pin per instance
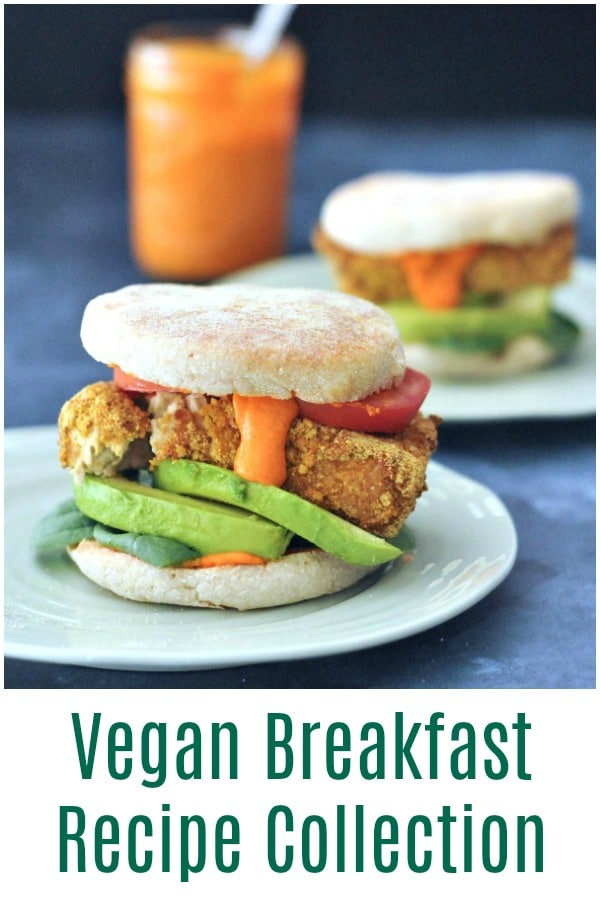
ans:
(210, 144)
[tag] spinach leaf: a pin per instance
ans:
(153, 549)
(65, 525)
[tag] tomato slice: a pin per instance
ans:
(137, 385)
(383, 412)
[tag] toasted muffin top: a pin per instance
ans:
(392, 212)
(321, 346)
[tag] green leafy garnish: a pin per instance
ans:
(404, 540)
(562, 333)
(64, 526)
(153, 549)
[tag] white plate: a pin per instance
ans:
(566, 389)
(466, 545)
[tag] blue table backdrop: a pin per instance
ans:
(66, 241)
(431, 87)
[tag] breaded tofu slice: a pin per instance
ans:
(102, 431)
(371, 480)
(496, 268)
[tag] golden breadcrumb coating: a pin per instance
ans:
(371, 480)
(497, 268)
(193, 426)
(101, 431)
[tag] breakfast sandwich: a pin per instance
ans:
(251, 447)
(465, 264)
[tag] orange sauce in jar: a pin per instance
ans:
(210, 143)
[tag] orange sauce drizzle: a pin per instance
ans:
(227, 558)
(263, 423)
(435, 279)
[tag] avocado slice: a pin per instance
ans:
(319, 526)
(499, 323)
(560, 332)
(203, 525)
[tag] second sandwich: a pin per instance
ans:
(465, 264)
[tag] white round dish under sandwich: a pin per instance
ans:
(465, 546)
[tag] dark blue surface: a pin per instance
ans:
(66, 241)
